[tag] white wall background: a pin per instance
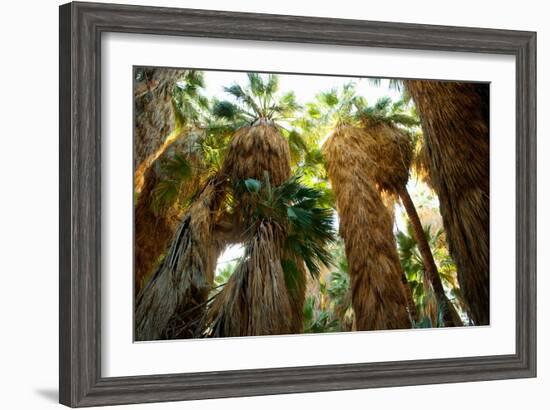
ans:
(29, 203)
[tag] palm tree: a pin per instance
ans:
(389, 150)
(185, 201)
(287, 230)
(455, 163)
(175, 297)
(258, 150)
(172, 175)
(378, 295)
(455, 121)
(366, 225)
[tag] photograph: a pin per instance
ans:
(291, 203)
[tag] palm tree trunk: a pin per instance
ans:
(155, 130)
(154, 116)
(254, 152)
(255, 301)
(378, 295)
(413, 312)
(455, 123)
(450, 316)
(152, 232)
(173, 302)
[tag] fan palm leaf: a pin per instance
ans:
(289, 228)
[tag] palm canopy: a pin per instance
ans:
(332, 107)
(388, 112)
(343, 105)
(259, 99)
(195, 110)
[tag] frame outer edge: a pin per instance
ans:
(81, 25)
(533, 200)
(526, 205)
(530, 202)
(66, 391)
(80, 206)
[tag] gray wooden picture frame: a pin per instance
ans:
(81, 27)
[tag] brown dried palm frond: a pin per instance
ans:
(173, 300)
(388, 152)
(421, 165)
(255, 150)
(455, 122)
(296, 282)
(255, 300)
(378, 294)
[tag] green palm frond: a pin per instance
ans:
(258, 99)
(383, 104)
(236, 91)
(297, 145)
(195, 79)
(285, 107)
(386, 111)
(272, 85)
(318, 321)
(329, 309)
(309, 227)
(175, 171)
(332, 107)
(191, 106)
(413, 266)
(165, 194)
(257, 85)
(177, 168)
(393, 83)
(226, 110)
(329, 98)
(223, 274)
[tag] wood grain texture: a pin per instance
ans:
(81, 25)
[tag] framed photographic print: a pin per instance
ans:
(260, 204)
